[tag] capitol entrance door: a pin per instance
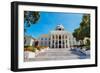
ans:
(59, 46)
(59, 43)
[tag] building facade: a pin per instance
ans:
(58, 38)
(29, 41)
(44, 40)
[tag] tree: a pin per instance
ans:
(85, 25)
(30, 18)
(76, 34)
(83, 30)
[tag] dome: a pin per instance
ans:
(60, 27)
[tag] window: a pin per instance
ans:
(46, 39)
(59, 42)
(56, 42)
(66, 37)
(53, 36)
(59, 36)
(41, 38)
(53, 41)
(49, 42)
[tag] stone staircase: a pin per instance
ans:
(55, 54)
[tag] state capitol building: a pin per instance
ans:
(58, 38)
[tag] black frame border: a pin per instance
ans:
(14, 35)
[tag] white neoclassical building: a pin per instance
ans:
(58, 38)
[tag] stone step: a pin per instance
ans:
(56, 54)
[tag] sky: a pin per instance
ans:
(49, 20)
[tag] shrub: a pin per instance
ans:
(38, 48)
(87, 47)
(34, 49)
(26, 46)
(30, 48)
(88, 44)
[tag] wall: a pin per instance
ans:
(5, 17)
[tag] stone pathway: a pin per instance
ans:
(56, 54)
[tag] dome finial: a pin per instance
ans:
(59, 27)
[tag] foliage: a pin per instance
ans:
(30, 18)
(30, 48)
(33, 49)
(26, 46)
(87, 44)
(84, 29)
(38, 48)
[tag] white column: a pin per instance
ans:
(65, 41)
(58, 41)
(50, 41)
(54, 40)
(61, 41)
(68, 42)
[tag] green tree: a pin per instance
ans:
(76, 34)
(30, 18)
(83, 30)
(85, 25)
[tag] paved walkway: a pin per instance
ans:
(57, 54)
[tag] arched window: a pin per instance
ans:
(66, 36)
(53, 36)
(52, 41)
(59, 42)
(59, 36)
(56, 42)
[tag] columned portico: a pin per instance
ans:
(59, 38)
(59, 41)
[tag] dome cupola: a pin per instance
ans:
(60, 27)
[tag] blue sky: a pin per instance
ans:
(49, 20)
